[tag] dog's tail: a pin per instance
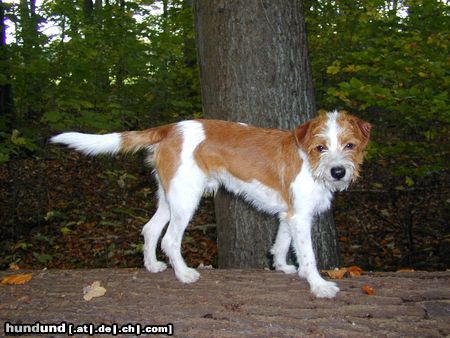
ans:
(91, 144)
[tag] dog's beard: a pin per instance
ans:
(336, 185)
(323, 172)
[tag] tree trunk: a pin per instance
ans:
(189, 52)
(254, 68)
(6, 99)
(88, 8)
(31, 89)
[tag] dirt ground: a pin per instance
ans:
(234, 303)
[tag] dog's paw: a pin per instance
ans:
(286, 268)
(302, 273)
(188, 275)
(155, 267)
(324, 289)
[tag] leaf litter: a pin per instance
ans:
(92, 291)
(17, 279)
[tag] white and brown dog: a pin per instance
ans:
(291, 174)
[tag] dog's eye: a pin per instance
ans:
(321, 149)
(349, 146)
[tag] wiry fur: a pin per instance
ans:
(289, 174)
(90, 144)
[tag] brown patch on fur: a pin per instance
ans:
(307, 138)
(362, 129)
(269, 156)
(357, 132)
(166, 142)
(135, 140)
(167, 158)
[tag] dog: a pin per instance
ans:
(291, 174)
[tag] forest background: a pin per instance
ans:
(112, 65)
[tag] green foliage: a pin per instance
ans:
(390, 65)
(132, 64)
(42, 257)
(123, 65)
(13, 144)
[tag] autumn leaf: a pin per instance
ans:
(406, 270)
(336, 273)
(14, 266)
(368, 290)
(16, 279)
(93, 290)
(354, 271)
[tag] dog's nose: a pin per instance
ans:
(338, 172)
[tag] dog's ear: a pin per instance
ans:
(301, 134)
(364, 128)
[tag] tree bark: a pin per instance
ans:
(189, 52)
(254, 68)
(6, 98)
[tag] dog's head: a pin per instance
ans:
(334, 144)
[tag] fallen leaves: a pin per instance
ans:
(405, 270)
(13, 266)
(93, 290)
(17, 279)
(354, 271)
(368, 290)
(351, 271)
(336, 273)
(89, 292)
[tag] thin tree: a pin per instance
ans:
(254, 68)
(6, 98)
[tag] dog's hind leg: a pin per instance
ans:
(183, 197)
(152, 231)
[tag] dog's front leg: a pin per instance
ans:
(280, 249)
(300, 228)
